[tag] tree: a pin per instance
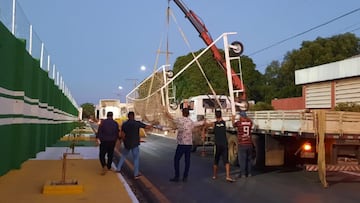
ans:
(260, 106)
(279, 78)
(311, 53)
(88, 110)
(192, 82)
(271, 81)
(253, 79)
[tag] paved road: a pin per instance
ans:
(272, 185)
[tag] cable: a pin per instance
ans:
(356, 29)
(299, 34)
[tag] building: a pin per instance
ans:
(325, 86)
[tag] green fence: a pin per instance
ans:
(34, 112)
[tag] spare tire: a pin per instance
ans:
(237, 49)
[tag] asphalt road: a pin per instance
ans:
(270, 185)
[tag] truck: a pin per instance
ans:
(280, 137)
(204, 107)
(290, 137)
(285, 137)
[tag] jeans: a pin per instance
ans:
(245, 155)
(180, 151)
(135, 154)
(106, 147)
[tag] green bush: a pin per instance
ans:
(259, 106)
(348, 106)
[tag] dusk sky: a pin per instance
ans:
(101, 45)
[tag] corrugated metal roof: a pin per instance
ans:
(331, 71)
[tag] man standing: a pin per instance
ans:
(131, 140)
(108, 133)
(221, 146)
(244, 126)
(184, 126)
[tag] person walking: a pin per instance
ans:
(131, 139)
(107, 135)
(184, 126)
(244, 126)
(221, 145)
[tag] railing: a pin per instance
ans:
(337, 122)
(14, 18)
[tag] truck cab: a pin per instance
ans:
(203, 107)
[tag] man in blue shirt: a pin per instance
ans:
(107, 134)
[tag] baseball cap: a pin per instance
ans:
(243, 114)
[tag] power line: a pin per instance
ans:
(309, 30)
(356, 29)
(351, 26)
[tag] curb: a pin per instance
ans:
(151, 192)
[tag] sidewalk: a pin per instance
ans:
(26, 184)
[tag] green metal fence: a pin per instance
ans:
(34, 111)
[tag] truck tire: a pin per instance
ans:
(232, 149)
(259, 146)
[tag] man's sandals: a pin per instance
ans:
(230, 180)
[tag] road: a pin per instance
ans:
(271, 185)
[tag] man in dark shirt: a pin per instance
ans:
(108, 133)
(131, 140)
(221, 146)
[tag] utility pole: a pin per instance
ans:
(135, 80)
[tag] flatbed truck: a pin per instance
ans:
(291, 137)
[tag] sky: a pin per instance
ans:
(98, 46)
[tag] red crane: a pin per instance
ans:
(205, 36)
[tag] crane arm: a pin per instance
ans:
(205, 36)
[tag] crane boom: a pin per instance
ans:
(205, 36)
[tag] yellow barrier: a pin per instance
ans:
(142, 131)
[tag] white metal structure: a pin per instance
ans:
(132, 96)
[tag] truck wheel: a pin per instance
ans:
(232, 149)
(259, 159)
(169, 73)
(253, 156)
(174, 106)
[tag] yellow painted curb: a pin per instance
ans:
(74, 156)
(69, 187)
